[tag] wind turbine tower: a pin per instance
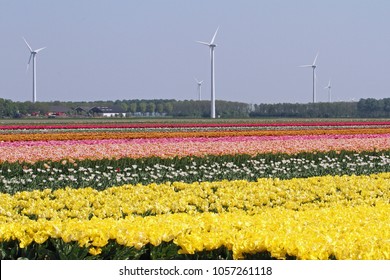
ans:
(33, 54)
(199, 88)
(329, 87)
(211, 45)
(313, 66)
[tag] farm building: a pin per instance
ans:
(58, 111)
(108, 111)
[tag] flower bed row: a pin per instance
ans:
(182, 130)
(196, 125)
(311, 234)
(105, 135)
(181, 147)
(101, 174)
(222, 196)
(316, 218)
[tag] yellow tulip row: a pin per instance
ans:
(313, 218)
(360, 232)
(222, 196)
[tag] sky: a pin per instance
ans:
(146, 49)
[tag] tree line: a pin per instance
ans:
(367, 108)
(364, 108)
(310, 110)
(138, 107)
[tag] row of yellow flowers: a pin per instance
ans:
(223, 196)
(102, 135)
(314, 218)
(360, 232)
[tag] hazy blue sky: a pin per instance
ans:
(127, 49)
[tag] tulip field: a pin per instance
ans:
(258, 189)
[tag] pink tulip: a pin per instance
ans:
(32, 151)
(195, 125)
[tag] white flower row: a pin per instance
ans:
(251, 169)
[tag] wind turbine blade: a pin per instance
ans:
(204, 43)
(215, 34)
(38, 50)
(29, 60)
(305, 65)
(196, 80)
(27, 45)
(315, 59)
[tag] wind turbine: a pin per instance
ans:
(211, 45)
(199, 88)
(33, 54)
(329, 91)
(314, 66)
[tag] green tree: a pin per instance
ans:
(124, 106)
(168, 108)
(151, 107)
(142, 107)
(160, 108)
(133, 107)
